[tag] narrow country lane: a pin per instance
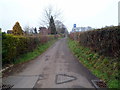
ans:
(56, 68)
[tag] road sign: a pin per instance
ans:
(74, 26)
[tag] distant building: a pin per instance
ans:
(89, 28)
(9, 31)
(44, 31)
(81, 29)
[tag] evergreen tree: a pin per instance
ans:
(52, 26)
(17, 30)
(35, 30)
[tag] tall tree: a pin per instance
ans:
(35, 30)
(47, 13)
(60, 27)
(17, 30)
(27, 30)
(52, 26)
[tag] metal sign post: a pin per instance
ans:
(74, 26)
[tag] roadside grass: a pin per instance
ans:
(31, 55)
(97, 64)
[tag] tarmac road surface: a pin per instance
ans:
(55, 68)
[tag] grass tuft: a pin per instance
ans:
(31, 55)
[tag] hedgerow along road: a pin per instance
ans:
(55, 68)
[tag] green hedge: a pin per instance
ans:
(105, 41)
(15, 46)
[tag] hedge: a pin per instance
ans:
(103, 67)
(15, 46)
(105, 41)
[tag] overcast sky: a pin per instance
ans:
(94, 13)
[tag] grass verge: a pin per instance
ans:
(100, 66)
(31, 55)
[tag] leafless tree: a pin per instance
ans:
(27, 29)
(47, 13)
(60, 27)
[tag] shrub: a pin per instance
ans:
(15, 46)
(105, 68)
(17, 29)
(105, 41)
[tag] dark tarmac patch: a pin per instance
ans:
(6, 86)
(46, 59)
(99, 84)
(47, 56)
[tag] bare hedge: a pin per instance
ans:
(105, 41)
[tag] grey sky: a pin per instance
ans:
(94, 13)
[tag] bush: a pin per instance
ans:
(15, 46)
(105, 41)
(105, 68)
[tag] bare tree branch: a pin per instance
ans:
(47, 13)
